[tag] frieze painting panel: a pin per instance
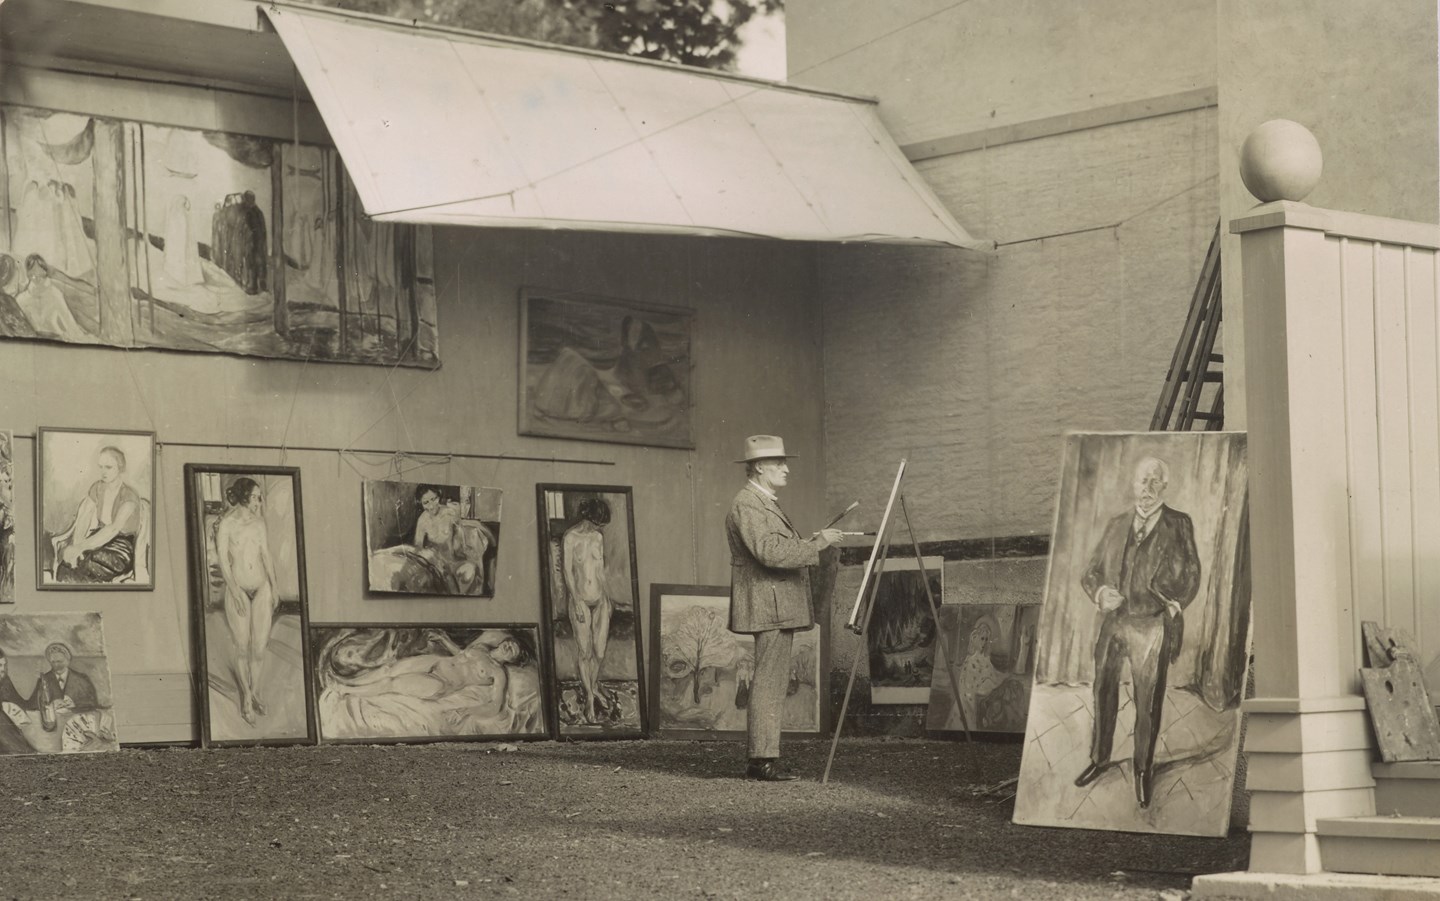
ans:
(992, 647)
(55, 690)
(418, 682)
(249, 604)
(590, 594)
(1142, 652)
(432, 539)
(94, 499)
(137, 235)
(701, 671)
(600, 369)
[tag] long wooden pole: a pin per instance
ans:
(862, 650)
(870, 564)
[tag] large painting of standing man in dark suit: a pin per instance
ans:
(1143, 640)
(1144, 573)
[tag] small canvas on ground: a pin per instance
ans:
(55, 693)
(1134, 717)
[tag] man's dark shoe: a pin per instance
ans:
(764, 770)
(1089, 775)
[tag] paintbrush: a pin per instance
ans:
(842, 514)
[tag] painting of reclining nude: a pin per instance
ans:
(94, 501)
(1142, 653)
(137, 235)
(423, 538)
(428, 682)
(249, 603)
(701, 671)
(600, 369)
(992, 647)
(59, 659)
(591, 615)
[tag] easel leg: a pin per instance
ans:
(935, 612)
(863, 649)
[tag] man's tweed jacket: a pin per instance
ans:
(769, 566)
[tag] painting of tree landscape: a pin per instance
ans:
(138, 235)
(700, 685)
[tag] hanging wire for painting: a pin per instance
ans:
(1113, 226)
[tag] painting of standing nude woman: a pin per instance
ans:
(247, 574)
(423, 538)
(590, 589)
(428, 682)
(94, 502)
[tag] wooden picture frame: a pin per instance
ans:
(713, 663)
(447, 549)
(74, 472)
(407, 683)
(603, 369)
(592, 527)
(262, 541)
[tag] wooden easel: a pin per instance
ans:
(859, 621)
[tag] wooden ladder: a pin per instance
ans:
(1195, 362)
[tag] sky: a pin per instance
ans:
(763, 53)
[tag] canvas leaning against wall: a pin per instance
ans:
(900, 636)
(137, 235)
(992, 650)
(94, 497)
(249, 604)
(700, 671)
(600, 369)
(590, 594)
(436, 682)
(55, 692)
(7, 517)
(1134, 719)
(424, 538)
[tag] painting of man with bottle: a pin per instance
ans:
(60, 657)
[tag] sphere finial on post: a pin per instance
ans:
(1280, 160)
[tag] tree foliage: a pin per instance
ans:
(693, 32)
(695, 640)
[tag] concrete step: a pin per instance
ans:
(1407, 789)
(1392, 846)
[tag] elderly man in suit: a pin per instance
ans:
(69, 688)
(1144, 573)
(769, 592)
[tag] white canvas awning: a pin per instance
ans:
(450, 128)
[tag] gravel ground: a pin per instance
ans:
(901, 818)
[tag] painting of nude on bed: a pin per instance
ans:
(428, 682)
(247, 578)
(425, 538)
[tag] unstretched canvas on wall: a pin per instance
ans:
(7, 517)
(426, 538)
(249, 604)
(900, 636)
(428, 682)
(590, 594)
(1134, 719)
(95, 498)
(55, 690)
(140, 235)
(991, 648)
(701, 671)
(601, 369)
